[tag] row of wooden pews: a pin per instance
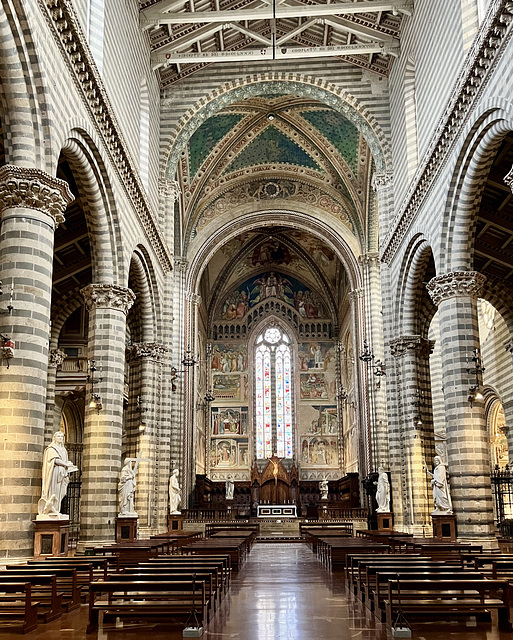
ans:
(163, 578)
(426, 578)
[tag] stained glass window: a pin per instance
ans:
(273, 395)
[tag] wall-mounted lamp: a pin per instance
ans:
(341, 393)
(96, 399)
(474, 393)
(378, 368)
(141, 410)
(10, 307)
(366, 355)
(209, 396)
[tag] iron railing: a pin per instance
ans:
(502, 486)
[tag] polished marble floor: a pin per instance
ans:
(282, 593)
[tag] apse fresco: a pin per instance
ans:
(228, 387)
(319, 451)
(229, 358)
(229, 421)
(272, 284)
(228, 453)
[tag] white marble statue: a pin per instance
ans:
(382, 492)
(174, 492)
(440, 484)
(56, 470)
(229, 488)
(323, 488)
(126, 487)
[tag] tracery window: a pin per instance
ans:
(273, 394)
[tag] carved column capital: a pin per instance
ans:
(381, 181)
(55, 358)
(509, 346)
(466, 284)
(356, 294)
(108, 296)
(150, 350)
(193, 297)
(400, 346)
(170, 189)
(508, 179)
(371, 258)
(34, 189)
(181, 264)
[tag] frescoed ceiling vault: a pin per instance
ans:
(277, 150)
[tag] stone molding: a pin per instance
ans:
(494, 33)
(150, 350)
(400, 346)
(381, 181)
(108, 296)
(67, 32)
(55, 358)
(509, 346)
(170, 189)
(34, 189)
(455, 284)
(181, 264)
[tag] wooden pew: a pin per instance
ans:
(212, 592)
(447, 599)
(379, 593)
(333, 551)
(223, 562)
(44, 590)
(353, 561)
(211, 546)
(214, 569)
(66, 580)
(85, 574)
(16, 604)
(146, 599)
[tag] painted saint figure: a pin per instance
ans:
(56, 470)
(382, 492)
(440, 485)
(175, 496)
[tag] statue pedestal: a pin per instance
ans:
(175, 522)
(126, 528)
(51, 538)
(384, 521)
(444, 526)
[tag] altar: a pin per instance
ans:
(276, 511)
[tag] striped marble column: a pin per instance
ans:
(468, 448)
(151, 494)
(55, 359)
(32, 203)
(414, 442)
(101, 463)
(507, 404)
(382, 183)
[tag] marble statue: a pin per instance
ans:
(440, 484)
(174, 492)
(229, 487)
(56, 470)
(382, 492)
(323, 488)
(126, 487)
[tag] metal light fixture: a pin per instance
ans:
(96, 399)
(189, 360)
(366, 355)
(417, 403)
(209, 396)
(341, 393)
(10, 307)
(474, 393)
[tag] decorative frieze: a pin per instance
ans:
(55, 358)
(468, 284)
(34, 189)
(400, 346)
(479, 63)
(68, 34)
(150, 350)
(371, 258)
(108, 296)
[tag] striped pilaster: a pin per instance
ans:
(508, 410)
(169, 193)
(383, 183)
(415, 442)
(374, 334)
(468, 451)
(107, 305)
(55, 359)
(357, 317)
(151, 493)
(31, 204)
